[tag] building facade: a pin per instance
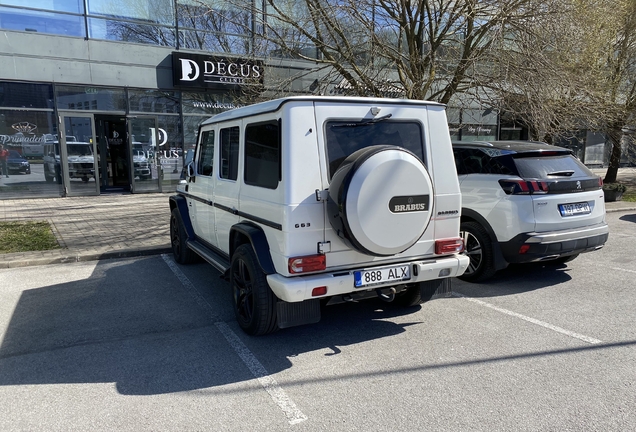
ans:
(101, 96)
(106, 95)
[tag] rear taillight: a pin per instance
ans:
(600, 182)
(449, 246)
(523, 187)
(309, 263)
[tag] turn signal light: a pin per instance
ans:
(305, 264)
(449, 246)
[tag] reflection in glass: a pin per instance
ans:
(154, 101)
(42, 22)
(25, 134)
(81, 165)
(76, 6)
(129, 31)
(148, 11)
(90, 98)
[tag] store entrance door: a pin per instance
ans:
(76, 157)
(114, 153)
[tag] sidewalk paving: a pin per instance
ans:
(93, 227)
(125, 225)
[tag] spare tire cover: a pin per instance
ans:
(380, 200)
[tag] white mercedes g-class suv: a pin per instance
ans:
(308, 200)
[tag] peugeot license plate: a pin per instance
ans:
(381, 276)
(574, 209)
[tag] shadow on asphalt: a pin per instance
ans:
(628, 218)
(517, 278)
(144, 332)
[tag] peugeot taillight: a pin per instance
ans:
(523, 187)
(449, 246)
(308, 263)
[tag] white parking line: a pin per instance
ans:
(531, 320)
(278, 395)
(622, 269)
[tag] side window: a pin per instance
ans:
(262, 155)
(470, 161)
(229, 151)
(206, 158)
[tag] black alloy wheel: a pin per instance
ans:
(478, 248)
(182, 254)
(254, 301)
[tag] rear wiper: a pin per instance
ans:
(364, 123)
(564, 173)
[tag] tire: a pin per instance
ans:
(182, 254)
(479, 249)
(47, 177)
(253, 300)
(380, 200)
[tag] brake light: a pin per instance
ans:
(600, 182)
(524, 187)
(309, 263)
(449, 246)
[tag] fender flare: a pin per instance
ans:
(500, 261)
(179, 202)
(257, 238)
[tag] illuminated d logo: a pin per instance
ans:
(189, 70)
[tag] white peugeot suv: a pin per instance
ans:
(304, 201)
(526, 202)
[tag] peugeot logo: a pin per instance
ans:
(578, 185)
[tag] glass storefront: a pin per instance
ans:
(468, 124)
(111, 139)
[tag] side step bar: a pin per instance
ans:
(219, 262)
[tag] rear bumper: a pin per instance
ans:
(555, 244)
(299, 288)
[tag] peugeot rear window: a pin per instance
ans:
(346, 137)
(551, 166)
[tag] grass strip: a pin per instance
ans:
(26, 237)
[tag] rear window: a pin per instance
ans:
(346, 137)
(543, 167)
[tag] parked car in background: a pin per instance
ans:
(17, 164)
(526, 202)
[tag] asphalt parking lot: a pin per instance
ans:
(145, 344)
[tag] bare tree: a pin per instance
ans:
(574, 71)
(429, 49)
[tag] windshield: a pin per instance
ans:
(79, 150)
(346, 137)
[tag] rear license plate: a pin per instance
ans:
(574, 209)
(381, 276)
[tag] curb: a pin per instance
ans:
(70, 257)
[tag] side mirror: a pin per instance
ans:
(190, 172)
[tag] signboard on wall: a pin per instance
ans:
(201, 71)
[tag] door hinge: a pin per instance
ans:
(322, 195)
(324, 247)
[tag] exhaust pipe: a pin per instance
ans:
(386, 297)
